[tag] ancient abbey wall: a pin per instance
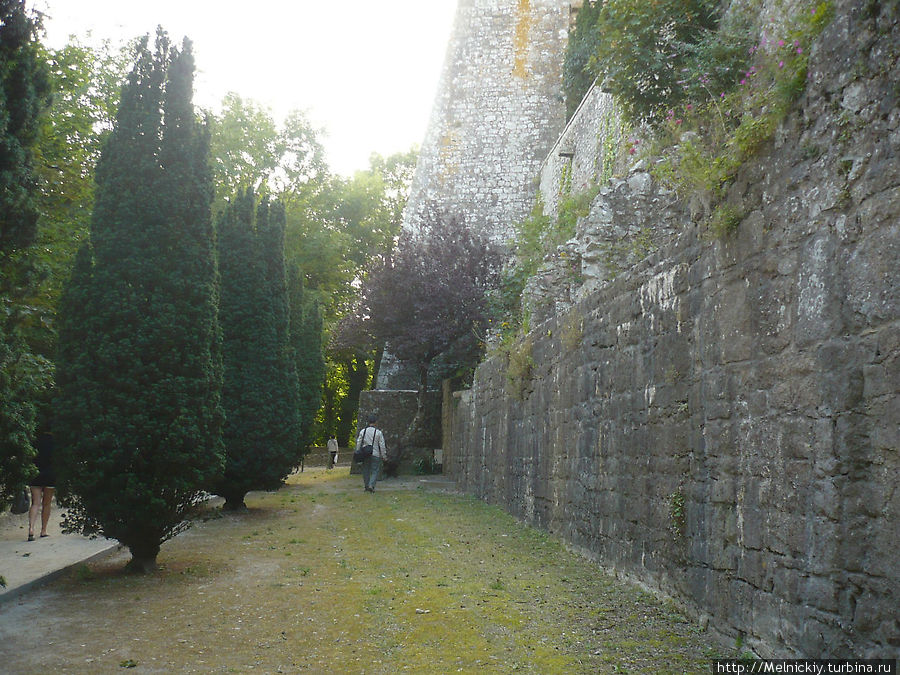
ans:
(721, 420)
(498, 110)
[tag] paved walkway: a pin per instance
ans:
(25, 564)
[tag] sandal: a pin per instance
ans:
(30, 537)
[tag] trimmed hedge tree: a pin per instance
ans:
(260, 393)
(307, 340)
(139, 374)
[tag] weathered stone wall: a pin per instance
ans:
(499, 108)
(585, 148)
(721, 421)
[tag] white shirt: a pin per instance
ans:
(376, 439)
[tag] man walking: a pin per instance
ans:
(371, 467)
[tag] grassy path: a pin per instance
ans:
(321, 577)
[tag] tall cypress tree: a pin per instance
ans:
(139, 364)
(284, 409)
(260, 390)
(307, 339)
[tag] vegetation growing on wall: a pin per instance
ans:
(699, 94)
(520, 367)
(704, 141)
(578, 74)
(537, 236)
(656, 55)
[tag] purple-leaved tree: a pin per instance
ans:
(430, 300)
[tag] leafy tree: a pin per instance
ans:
(139, 365)
(655, 55)
(302, 167)
(245, 147)
(366, 221)
(24, 98)
(248, 148)
(584, 38)
(24, 95)
(353, 365)
(260, 393)
(86, 82)
(431, 301)
(337, 230)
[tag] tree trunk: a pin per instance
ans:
(357, 379)
(234, 502)
(142, 565)
(143, 557)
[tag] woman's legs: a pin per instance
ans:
(36, 501)
(45, 509)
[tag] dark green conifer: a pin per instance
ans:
(139, 364)
(260, 391)
(307, 339)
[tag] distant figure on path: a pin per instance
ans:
(42, 485)
(372, 435)
(332, 452)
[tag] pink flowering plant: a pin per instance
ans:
(704, 140)
(646, 49)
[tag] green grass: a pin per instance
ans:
(403, 580)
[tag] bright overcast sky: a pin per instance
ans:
(364, 70)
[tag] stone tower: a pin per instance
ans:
(499, 109)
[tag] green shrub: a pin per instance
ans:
(724, 220)
(703, 142)
(578, 76)
(656, 55)
(520, 367)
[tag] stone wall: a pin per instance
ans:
(499, 108)
(585, 149)
(721, 421)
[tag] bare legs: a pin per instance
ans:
(41, 500)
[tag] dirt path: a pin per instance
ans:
(321, 577)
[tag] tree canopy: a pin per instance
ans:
(24, 98)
